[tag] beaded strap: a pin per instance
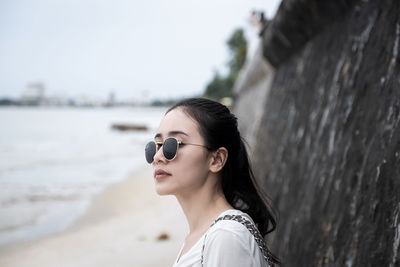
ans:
(252, 229)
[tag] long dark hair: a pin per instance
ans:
(219, 128)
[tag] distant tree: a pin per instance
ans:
(221, 86)
(238, 49)
(8, 102)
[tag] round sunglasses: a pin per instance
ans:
(169, 148)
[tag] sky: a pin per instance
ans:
(136, 49)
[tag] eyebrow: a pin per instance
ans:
(158, 135)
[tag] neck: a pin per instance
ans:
(202, 207)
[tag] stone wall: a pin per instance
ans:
(328, 139)
(252, 89)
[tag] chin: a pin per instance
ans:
(163, 190)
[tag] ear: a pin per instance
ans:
(218, 159)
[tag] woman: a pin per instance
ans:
(198, 156)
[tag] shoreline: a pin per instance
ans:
(127, 224)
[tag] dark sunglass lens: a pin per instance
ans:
(149, 151)
(169, 148)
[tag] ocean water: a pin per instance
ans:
(54, 160)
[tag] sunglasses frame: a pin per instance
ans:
(160, 145)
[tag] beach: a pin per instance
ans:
(127, 224)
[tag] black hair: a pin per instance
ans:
(219, 128)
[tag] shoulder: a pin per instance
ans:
(226, 230)
(229, 243)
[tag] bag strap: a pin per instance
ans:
(252, 229)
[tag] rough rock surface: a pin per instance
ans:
(328, 141)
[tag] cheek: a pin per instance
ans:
(188, 173)
(191, 168)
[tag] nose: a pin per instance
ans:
(159, 156)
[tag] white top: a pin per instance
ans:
(227, 243)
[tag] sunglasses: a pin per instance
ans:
(169, 148)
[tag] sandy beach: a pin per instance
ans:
(127, 224)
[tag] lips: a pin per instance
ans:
(159, 174)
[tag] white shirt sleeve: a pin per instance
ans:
(225, 248)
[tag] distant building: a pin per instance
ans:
(111, 99)
(34, 94)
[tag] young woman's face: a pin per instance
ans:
(188, 171)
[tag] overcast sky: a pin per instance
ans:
(155, 48)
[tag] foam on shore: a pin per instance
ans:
(127, 225)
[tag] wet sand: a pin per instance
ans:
(128, 224)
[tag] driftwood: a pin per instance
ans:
(129, 127)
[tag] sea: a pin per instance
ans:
(54, 160)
